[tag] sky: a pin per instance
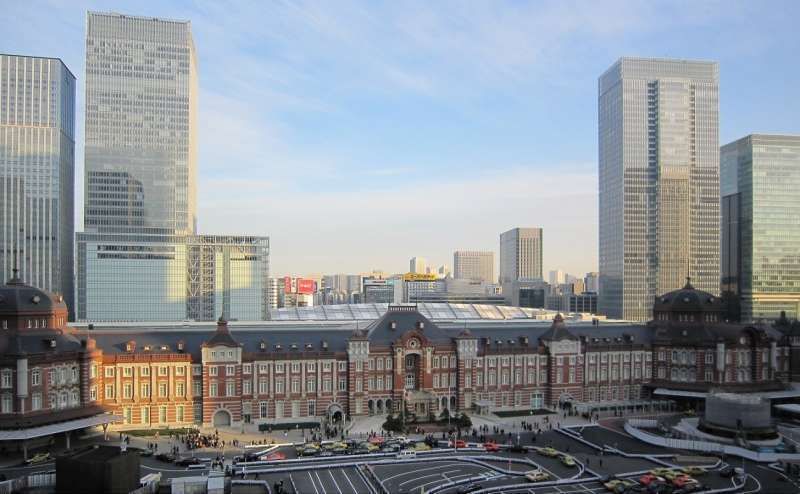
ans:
(360, 134)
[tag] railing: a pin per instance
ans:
(705, 446)
(34, 480)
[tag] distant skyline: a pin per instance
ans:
(358, 135)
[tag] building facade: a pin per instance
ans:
(171, 278)
(474, 265)
(159, 377)
(521, 254)
(37, 162)
(418, 265)
(760, 227)
(659, 181)
(141, 125)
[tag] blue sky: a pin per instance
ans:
(360, 134)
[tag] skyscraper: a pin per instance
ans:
(659, 181)
(520, 254)
(140, 258)
(474, 265)
(37, 172)
(417, 265)
(761, 225)
(141, 113)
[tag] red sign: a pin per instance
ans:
(287, 284)
(305, 286)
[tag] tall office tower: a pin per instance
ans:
(760, 177)
(37, 172)
(659, 181)
(140, 258)
(141, 113)
(557, 277)
(592, 282)
(473, 265)
(520, 255)
(417, 265)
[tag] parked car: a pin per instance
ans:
(407, 454)
(166, 458)
(537, 475)
(549, 452)
(618, 486)
(458, 443)
(518, 448)
(649, 478)
(491, 447)
(273, 456)
(146, 453)
(567, 460)
(683, 481)
(38, 458)
(309, 452)
(693, 471)
(421, 447)
(185, 462)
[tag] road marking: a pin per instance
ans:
(426, 476)
(330, 472)
(312, 482)
(321, 485)
(355, 491)
(443, 464)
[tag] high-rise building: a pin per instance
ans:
(141, 114)
(272, 290)
(592, 282)
(760, 177)
(418, 265)
(520, 254)
(379, 291)
(474, 265)
(557, 277)
(141, 258)
(37, 172)
(659, 181)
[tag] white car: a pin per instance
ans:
(406, 454)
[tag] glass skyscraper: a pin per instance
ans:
(141, 113)
(37, 171)
(520, 254)
(140, 258)
(659, 182)
(761, 225)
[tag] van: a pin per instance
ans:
(407, 454)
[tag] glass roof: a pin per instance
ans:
(434, 311)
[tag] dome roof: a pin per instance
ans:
(18, 298)
(688, 299)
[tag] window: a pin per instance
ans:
(212, 389)
(343, 366)
(162, 415)
(359, 365)
(145, 390)
(162, 390)
(559, 361)
(212, 371)
(709, 375)
(342, 384)
(279, 386)
(311, 386)
(145, 415)
(709, 358)
(230, 370)
(262, 368)
(197, 370)
(179, 413)
(36, 377)
(379, 363)
(246, 387)
(662, 373)
(230, 388)
(162, 370)
(295, 367)
(295, 385)
(492, 379)
(312, 408)
(93, 371)
(436, 380)
(109, 391)
(262, 387)
(279, 368)
(127, 371)
(359, 385)
(36, 401)
(467, 380)
(93, 393)
(505, 378)
(180, 389)
(371, 364)
(127, 391)
(559, 376)
(388, 363)
(435, 362)
(5, 407)
(109, 372)
(180, 371)
(145, 371)
(572, 374)
(262, 409)
(197, 388)
(326, 385)
(247, 368)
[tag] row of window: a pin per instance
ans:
(60, 400)
(57, 377)
(128, 371)
(144, 391)
(144, 415)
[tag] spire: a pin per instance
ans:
(688, 285)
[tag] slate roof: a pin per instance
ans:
(558, 331)
(16, 297)
(381, 332)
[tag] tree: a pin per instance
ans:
(393, 424)
(444, 417)
(463, 421)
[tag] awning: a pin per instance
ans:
(678, 392)
(50, 429)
